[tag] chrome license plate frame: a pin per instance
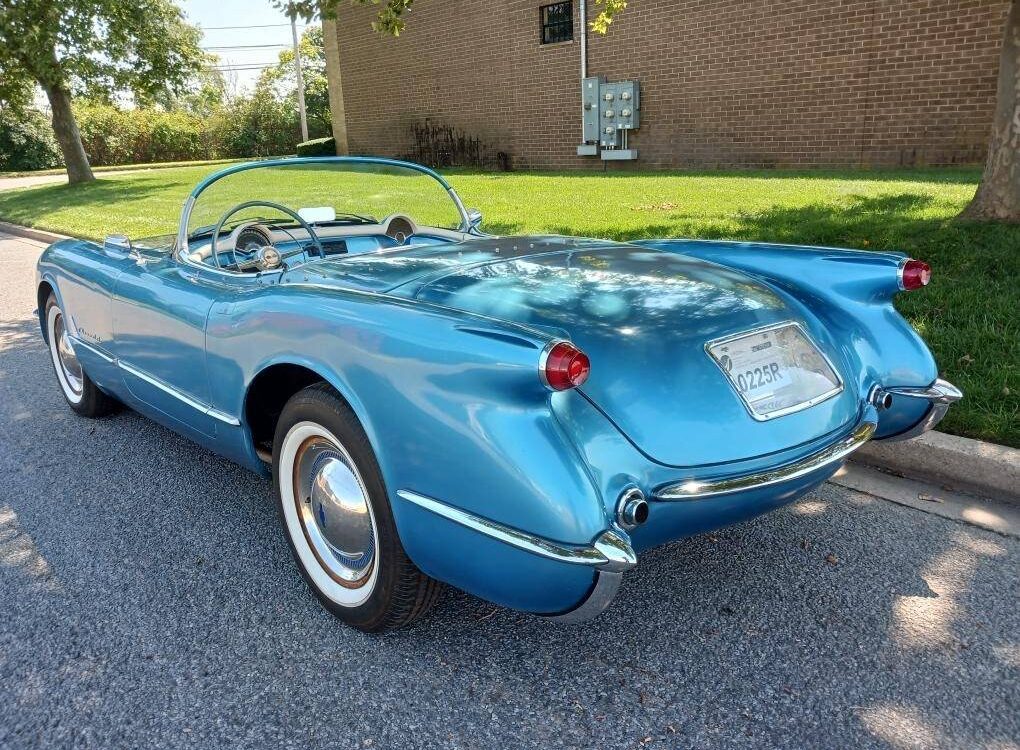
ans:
(726, 352)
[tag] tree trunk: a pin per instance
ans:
(998, 195)
(65, 128)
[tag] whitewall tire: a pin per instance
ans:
(81, 394)
(336, 516)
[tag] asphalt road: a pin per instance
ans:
(148, 599)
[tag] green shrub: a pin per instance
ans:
(259, 125)
(26, 141)
(317, 147)
(112, 135)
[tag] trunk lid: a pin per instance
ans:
(644, 317)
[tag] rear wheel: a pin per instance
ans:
(335, 513)
(79, 391)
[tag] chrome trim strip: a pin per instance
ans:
(179, 395)
(789, 409)
(98, 352)
(693, 489)
(600, 597)
(611, 551)
(222, 416)
(941, 394)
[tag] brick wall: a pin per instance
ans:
(724, 83)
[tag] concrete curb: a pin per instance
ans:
(32, 234)
(971, 466)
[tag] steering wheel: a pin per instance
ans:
(266, 204)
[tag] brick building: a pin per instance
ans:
(723, 83)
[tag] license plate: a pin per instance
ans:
(776, 370)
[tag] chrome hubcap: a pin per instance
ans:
(333, 506)
(65, 355)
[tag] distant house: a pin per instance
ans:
(752, 83)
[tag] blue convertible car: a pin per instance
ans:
(517, 416)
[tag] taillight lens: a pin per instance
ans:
(564, 367)
(915, 274)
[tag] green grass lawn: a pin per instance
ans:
(970, 315)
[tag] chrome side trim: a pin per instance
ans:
(98, 352)
(600, 597)
(611, 551)
(693, 489)
(179, 395)
(222, 416)
(156, 382)
(941, 394)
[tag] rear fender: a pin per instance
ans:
(455, 410)
(850, 292)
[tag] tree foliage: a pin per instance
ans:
(26, 141)
(610, 9)
(392, 13)
(282, 80)
(93, 47)
(389, 21)
(96, 47)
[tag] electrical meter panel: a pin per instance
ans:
(590, 88)
(610, 110)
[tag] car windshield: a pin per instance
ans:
(333, 191)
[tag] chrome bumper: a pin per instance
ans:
(610, 552)
(941, 395)
(693, 489)
(609, 555)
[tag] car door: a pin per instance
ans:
(86, 281)
(159, 319)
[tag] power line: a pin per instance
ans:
(246, 46)
(243, 67)
(260, 26)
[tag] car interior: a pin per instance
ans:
(258, 245)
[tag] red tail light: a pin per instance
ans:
(564, 366)
(914, 274)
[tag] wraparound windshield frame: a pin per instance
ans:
(189, 204)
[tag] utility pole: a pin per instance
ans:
(300, 78)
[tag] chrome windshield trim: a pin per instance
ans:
(179, 395)
(693, 489)
(189, 203)
(610, 551)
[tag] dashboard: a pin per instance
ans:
(261, 246)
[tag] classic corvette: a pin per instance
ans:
(519, 417)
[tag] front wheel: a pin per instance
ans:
(81, 394)
(335, 513)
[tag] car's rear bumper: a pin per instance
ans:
(939, 396)
(610, 551)
(566, 582)
(697, 489)
(575, 582)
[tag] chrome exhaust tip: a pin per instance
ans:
(631, 509)
(880, 398)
